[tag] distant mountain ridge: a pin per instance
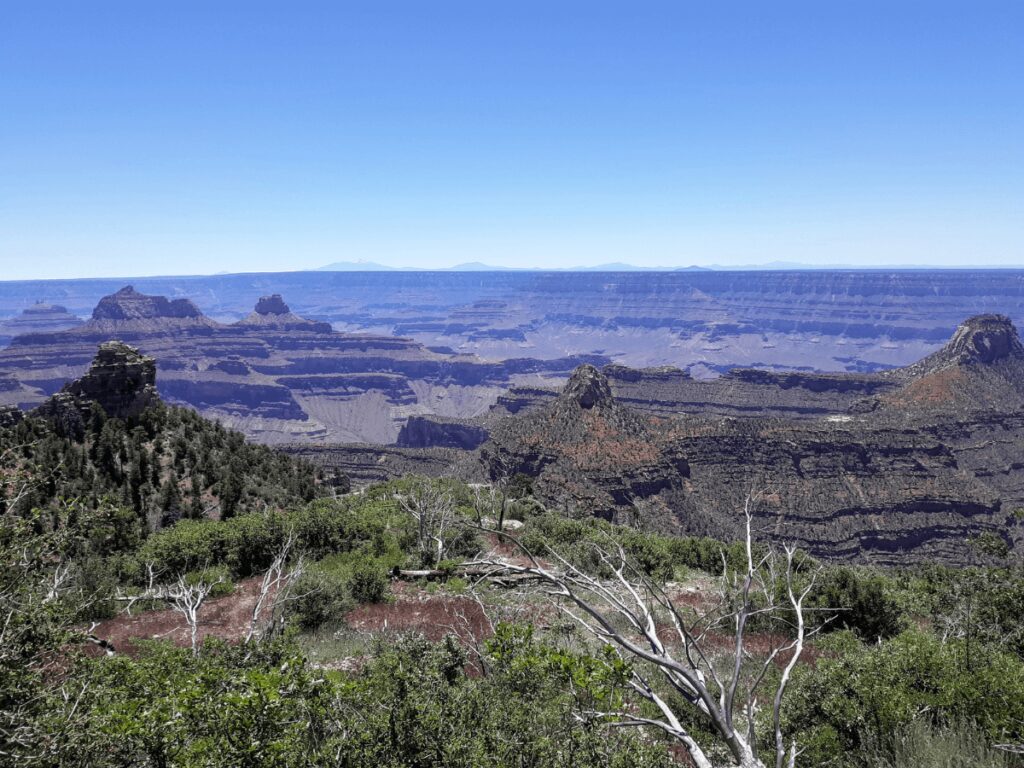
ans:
(477, 266)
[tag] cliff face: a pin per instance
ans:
(130, 314)
(434, 431)
(274, 375)
(366, 464)
(979, 340)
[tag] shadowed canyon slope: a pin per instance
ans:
(911, 462)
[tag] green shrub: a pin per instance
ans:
(368, 582)
(247, 544)
(859, 696)
(456, 586)
(861, 601)
(323, 599)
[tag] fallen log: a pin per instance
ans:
(499, 576)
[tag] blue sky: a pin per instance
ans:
(195, 137)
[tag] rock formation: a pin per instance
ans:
(121, 380)
(271, 311)
(979, 340)
(274, 375)
(921, 459)
(861, 464)
(39, 318)
(272, 305)
(129, 304)
(703, 322)
(589, 388)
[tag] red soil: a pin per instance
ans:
(226, 618)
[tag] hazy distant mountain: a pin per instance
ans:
(356, 266)
(619, 266)
(476, 266)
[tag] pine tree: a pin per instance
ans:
(196, 508)
(170, 496)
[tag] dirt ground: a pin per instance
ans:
(227, 618)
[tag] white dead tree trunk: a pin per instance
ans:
(151, 592)
(668, 646)
(485, 501)
(434, 513)
(58, 582)
(276, 589)
(187, 599)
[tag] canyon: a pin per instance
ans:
(705, 322)
(272, 374)
(861, 419)
(905, 465)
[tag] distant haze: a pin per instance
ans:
(197, 138)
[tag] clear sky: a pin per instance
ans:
(182, 137)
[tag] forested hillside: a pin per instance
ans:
(164, 464)
(108, 438)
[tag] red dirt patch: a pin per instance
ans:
(226, 618)
(433, 616)
(936, 388)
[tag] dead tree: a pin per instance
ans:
(485, 502)
(668, 646)
(187, 599)
(276, 589)
(433, 509)
(152, 591)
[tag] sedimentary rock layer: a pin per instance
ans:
(274, 375)
(908, 464)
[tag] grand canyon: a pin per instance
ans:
(878, 415)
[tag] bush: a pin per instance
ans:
(861, 601)
(368, 582)
(247, 544)
(323, 598)
(859, 696)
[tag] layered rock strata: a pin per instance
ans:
(922, 460)
(38, 318)
(701, 321)
(273, 375)
(120, 380)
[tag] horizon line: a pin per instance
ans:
(629, 270)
